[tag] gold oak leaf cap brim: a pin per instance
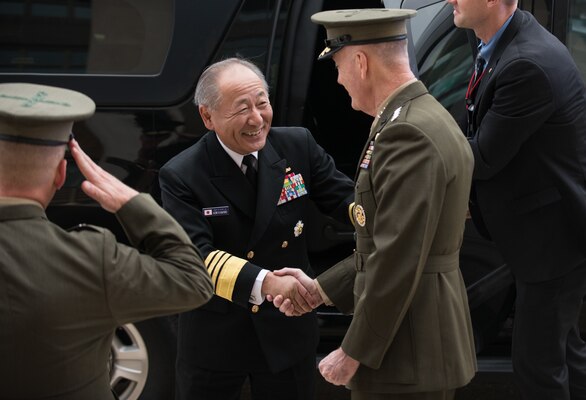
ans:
(361, 26)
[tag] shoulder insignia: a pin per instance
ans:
(396, 114)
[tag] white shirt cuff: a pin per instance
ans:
(256, 296)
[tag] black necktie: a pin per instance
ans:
(250, 162)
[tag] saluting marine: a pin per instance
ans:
(63, 294)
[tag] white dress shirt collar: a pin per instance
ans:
(235, 156)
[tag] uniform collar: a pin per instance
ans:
(233, 155)
(18, 201)
(12, 208)
(395, 93)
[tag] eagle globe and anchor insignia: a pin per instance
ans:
(359, 215)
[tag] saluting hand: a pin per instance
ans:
(101, 186)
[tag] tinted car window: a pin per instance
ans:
(541, 10)
(576, 39)
(135, 53)
(257, 34)
(446, 70)
(85, 37)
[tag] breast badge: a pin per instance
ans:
(359, 215)
(298, 230)
(293, 187)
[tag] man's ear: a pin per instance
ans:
(60, 174)
(492, 3)
(361, 61)
(206, 117)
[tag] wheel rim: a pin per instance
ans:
(129, 363)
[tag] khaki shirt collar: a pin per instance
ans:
(388, 100)
(14, 201)
(384, 104)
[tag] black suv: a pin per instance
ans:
(140, 60)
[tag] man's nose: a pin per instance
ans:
(255, 117)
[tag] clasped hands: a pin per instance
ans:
(294, 293)
(291, 291)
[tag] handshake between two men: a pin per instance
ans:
(292, 291)
(294, 294)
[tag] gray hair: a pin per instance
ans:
(26, 166)
(207, 92)
(392, 53)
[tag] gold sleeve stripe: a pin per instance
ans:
(351, 213)
(224, 269)
(214, 262)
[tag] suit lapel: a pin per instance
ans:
(229, 179)
(502, 44)
(271, 174)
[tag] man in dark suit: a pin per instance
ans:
(527, 129)
(62, 294)
(246, 227)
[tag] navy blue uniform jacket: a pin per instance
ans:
(208, 194)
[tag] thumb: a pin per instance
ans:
(286, 271)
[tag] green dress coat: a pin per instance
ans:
(411, 328)
(62, 294)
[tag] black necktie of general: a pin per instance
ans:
(250, 162)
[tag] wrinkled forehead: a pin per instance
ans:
(241, 85)
(236, 73)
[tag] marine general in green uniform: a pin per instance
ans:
(62, 294)
(410, 336)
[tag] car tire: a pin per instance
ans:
(143, 360)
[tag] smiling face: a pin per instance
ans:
(244, 114)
